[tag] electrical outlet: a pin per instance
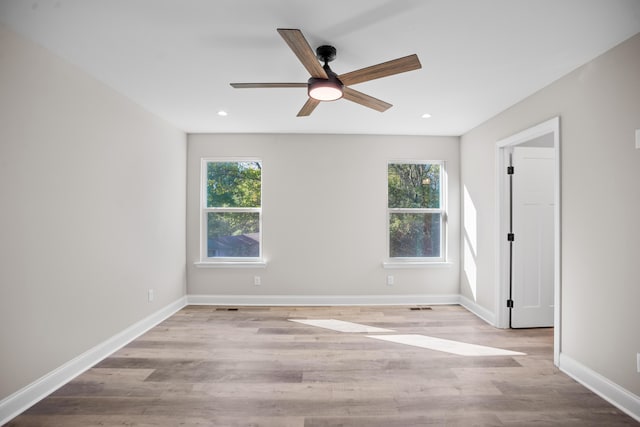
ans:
(150, 295)
(257, 281)
(638, 362)
(389, 280)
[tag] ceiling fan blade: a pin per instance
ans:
(308, 107)
(266, 85)
(363, 99)
(303, 51)
(389, 68)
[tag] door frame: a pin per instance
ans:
(551, 126)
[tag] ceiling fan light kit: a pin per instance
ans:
(324, 84)
(324, 89)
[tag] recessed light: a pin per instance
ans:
(426, 115)
(222, 113)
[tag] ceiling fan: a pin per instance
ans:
(324, 84)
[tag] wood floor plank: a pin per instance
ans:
(208, 366)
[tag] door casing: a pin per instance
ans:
(551, 126)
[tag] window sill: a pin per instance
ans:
(416, 264)
(230, 264)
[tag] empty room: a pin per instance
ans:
(290, 214)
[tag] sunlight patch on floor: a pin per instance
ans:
(341, 325)
(448, 346)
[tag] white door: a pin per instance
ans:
(533, 257)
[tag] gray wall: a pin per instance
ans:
(92, 189)
(599, 109)
(324, 215)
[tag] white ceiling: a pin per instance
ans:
(177, 57)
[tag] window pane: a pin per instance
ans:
(414, 235)
(233, 184)
(414, 185)
(233, 234)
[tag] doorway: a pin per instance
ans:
(528, 223)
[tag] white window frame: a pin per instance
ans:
(404, 262)
(205, 260)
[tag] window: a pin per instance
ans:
(231, 210)
(416, 215)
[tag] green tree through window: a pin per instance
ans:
(415, 210)
(233, 210)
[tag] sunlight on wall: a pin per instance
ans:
(470, 241)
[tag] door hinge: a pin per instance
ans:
(511, 237)
(510, 170)
(509, 303)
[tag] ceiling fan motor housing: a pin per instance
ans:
(329, 89)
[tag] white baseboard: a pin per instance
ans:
(478, 310)
(619, 397)
(18, 402)
(319, 300)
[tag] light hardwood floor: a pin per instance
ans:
(207, 366)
